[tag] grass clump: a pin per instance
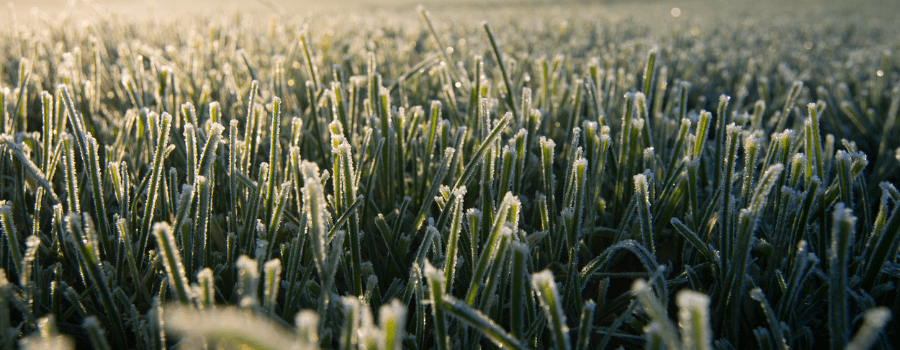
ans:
(403, 183)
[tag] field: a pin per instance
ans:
(459, 175)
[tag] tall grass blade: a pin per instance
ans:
(657, 313)
(843, 231)
(271, 284)
(153, 190)
(642, 195)
(693, 317)
(436, 288)
(774, 324)
(172, 261)
(510, 97)
(12, 235)
(585, 327)
(874, 321)
(392, 321)
(547, 292)
(879, 245)
(86, 243)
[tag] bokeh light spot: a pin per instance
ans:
(676, 12)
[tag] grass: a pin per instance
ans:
(571, 180)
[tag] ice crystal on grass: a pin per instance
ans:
(418, 180)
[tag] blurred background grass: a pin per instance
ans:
(861, 12)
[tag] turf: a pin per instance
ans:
(562, 175)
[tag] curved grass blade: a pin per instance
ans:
(474, 318)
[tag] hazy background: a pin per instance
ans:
(169, 8)
(163, 9)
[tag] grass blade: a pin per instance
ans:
(510, 98)
(477, 320)
(228, 325)
(693, 316)
(844, 229)
(436, 287)
(156, 173)
(172, 261)
(546, 290)
(874, 321)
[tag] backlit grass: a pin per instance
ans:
(573, 179)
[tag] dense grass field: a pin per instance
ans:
(563, 175)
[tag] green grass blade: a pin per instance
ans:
(172, 261)
(156, 173)
(436, 287)
(547, 292)
(477, 320)
(585, 327)
(12, 236)
(693, 317)
(510, 97)
(657, 312)
(774, 324)
(843, 231)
